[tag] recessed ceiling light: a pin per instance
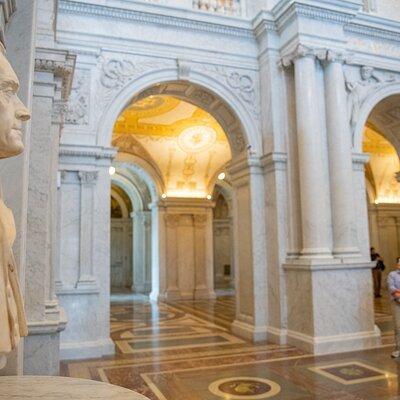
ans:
(209, 197)
(164, 196)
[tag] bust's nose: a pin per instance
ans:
(21, 112)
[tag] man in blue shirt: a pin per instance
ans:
(393, 282)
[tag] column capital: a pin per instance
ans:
(142, 217)
(199, 220)
(335, 56)
(301, 51)
(171, 220)
(88, 177)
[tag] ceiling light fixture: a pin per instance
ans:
(222, 176)
(164, 196)
(111, 170)
(209, 197)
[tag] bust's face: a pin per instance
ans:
(12, 111)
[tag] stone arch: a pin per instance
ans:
(145, 171)
(200, 89)
(129, 188)
(122, 204)
(367, 108)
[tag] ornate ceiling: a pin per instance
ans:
(382, 167)
(184, 143)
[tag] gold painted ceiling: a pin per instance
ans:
(182, 141)
(382, 167)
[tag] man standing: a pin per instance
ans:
(377, 272)
(393, 282)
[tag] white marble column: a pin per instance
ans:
(86, 279)
(314, 186)
(204, 257)
(53, 73)
(141, 221)
(340, 158)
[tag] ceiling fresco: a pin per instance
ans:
(182, 141)
(382, 167)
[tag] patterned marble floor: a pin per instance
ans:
(184, 351)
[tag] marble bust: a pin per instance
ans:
(12, 114)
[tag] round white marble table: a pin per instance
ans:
(59, 388)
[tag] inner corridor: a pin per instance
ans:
(184, 350)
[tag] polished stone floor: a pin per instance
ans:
(184, 351)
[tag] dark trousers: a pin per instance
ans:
(377, 276)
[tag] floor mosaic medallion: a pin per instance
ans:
(244, 388)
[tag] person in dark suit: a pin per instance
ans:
(377, 272)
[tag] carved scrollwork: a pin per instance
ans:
(117, 73)
(244, 84)
(78, 104)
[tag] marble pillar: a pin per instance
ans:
(340, 158)
(249, 240)
(320, 286)
(84, 274)
(141, 222)
(314, 187)
(53, 72)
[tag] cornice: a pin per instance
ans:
(375, 27)
(59, 63)
(151, 18)
(87, 151)
(293, 10)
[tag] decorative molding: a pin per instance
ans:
(117, 73)
(151, 18)
(77, 112)
(359, 161)
(272, 162)
(60, 107)
(172, 220)
(200, 220)
(300, 51)
(88, 177)
(97, 153)
(307, 11)
(60, 69)
(244, 84)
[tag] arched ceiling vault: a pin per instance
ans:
(183, 142)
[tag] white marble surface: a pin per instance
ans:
(58, 388)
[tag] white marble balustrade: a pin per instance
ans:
(227, 7)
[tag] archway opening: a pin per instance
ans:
(183, 138)
(381, 140)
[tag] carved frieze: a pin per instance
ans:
(79, 99)
(367, 80)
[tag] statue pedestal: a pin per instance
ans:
(59, 388)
